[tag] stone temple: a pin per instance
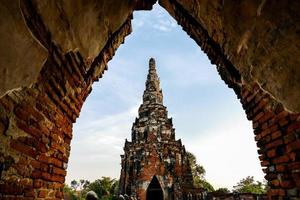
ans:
(155, 165)
(53, 51)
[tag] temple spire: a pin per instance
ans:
(152, 93)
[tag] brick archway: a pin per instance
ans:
(36, 121)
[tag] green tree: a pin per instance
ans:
(223, 191)
(74, 184)
(69, 193)
(105, 188)
(78, 188)
(248, 185)
(198, 173)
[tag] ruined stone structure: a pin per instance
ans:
(53, 51)
(235, 196)
(154, 165)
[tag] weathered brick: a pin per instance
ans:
(281, 167)
(265, 132)
(294, 146)
(29, 129)
(15, 144)
(275, 135)
(26, 182)
(294, 126)
(26, 111)
(44, 167)
(59, 194)
(55, 162)
(38, 183)
(59, 171)
(35, 164)
(46, 176)
(283, 122)
(57, 178)
(282, 115)
(287, 184)
(275, 182)
(289, 138)
(266, 117)
(255, 125)
(43, 158)
(11, 189)
(258, 137)
(265, 126)
(29, 192)
(271, 153)
(42, 193)
(273, 128)
(296, 177)
(36, 174)
(274, 143)
(265, 163)
(276, 192)
(281, 159)
(258, 116)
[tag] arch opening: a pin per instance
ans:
(36, 122)
(154, 190)
(192, 70)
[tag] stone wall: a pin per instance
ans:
(259, 37)
(36, 122)
(253, 44)
(235, 196)
(77, 25)
(277, 135)
(276, 129)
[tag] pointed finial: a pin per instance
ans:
(151, 62)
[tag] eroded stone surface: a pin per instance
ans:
(21, 55)
(253, 43)
(276, 128)
(260, 38)
(36, 122)
(79, 25)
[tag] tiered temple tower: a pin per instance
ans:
(155, 165)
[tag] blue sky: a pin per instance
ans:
(206, 113)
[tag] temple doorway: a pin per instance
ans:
(154, 191)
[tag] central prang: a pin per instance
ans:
(155, 166)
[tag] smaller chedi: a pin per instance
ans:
(155, 165)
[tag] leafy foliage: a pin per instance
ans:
(79, 185)
(198, 172)
(70, 193)
(222, 191)
(248, 185)
(105, 188)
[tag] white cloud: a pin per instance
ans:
(97, 145)
(228, 152)
(187, 69)
(165, 25)
(157, 19)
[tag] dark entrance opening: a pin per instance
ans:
(154, 191)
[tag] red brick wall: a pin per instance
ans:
(277, 134)
(36, 122)
(277, 131)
